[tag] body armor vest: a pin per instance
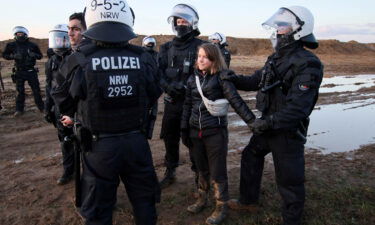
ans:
(116, 97)
(181, 61)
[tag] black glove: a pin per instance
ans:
(259, 126)
(185, 138)
(228, 75)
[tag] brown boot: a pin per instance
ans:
(235, 204)
(220, 213)
(200, 203)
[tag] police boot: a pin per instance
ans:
(169, 178)
(220, 213)
(200, 203)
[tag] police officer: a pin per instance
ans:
(176, 60)
(288, 88)
(149, 44)
(112, 87)
(24, 53)
(59, 43)
(221, 41)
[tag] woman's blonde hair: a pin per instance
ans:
(213, 54)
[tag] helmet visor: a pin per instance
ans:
(19, 29)
(283, 21)
(184, 12)
(148, 40)
(58, 40)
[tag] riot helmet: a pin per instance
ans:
(290, 24)
(109, 22)
(218, 38)
(58, 39)
(20, 33)
(186, 12)
(149, 43)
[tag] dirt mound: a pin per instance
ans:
(251, 46)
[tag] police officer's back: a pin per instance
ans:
(112, 89)
(24, 53)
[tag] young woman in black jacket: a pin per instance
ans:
(206, 132)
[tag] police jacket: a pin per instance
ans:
(24, 53)
(195, 114)
(112, 88)
(153, 53)
(53, 77)
(290, 81)
(176, 62)
(226, 54)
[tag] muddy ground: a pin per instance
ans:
(340, 186)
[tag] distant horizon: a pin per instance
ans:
(203, 35)
(333, 20)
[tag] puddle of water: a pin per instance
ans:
(342, 127)
(347, 83)
(335, 127)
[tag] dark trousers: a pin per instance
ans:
(32, 78)
(287, 149)
(128, 158)
(67, 145)
(170, 133)
(210, 156)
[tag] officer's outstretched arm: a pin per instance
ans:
(237, 103)
(243, 82)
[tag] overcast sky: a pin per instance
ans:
(344, 20)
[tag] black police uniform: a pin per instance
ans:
(54, 79)
(111, 90)
(175, 60)
(226, 54)
(290, 83)
(25, 54)
(153, 53)
(209, 134)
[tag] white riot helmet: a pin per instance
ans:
(148, 41)
(20, 29)
(58, 37)
(296, 22)
(187, 12)
(109, 21)
(218, 36)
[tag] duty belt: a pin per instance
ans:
(28, 69)
(96, 137)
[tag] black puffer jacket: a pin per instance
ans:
(195, 114)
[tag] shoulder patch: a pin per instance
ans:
(303, 87)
